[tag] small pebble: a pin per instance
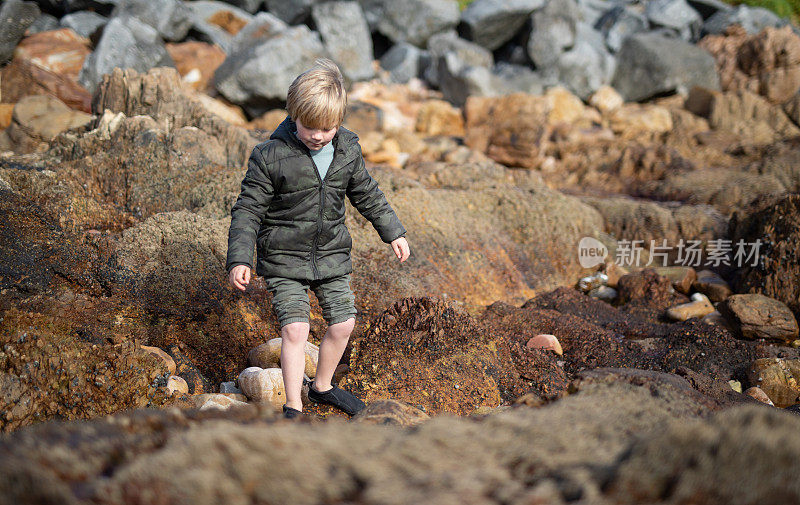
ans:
(545, 341)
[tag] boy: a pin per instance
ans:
(291, 207)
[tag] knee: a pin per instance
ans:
(295, 333)
(342, 331)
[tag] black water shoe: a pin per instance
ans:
(339, 398)
(290, 413)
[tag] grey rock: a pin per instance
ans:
(172, 18)
(292, 12)
(346, 36)
(414, 21)
(752, 19)
(553, 32)
(593, 10)
(466, 52)
(373, 12)
(402, 62)
(457, 80)
(619, 23)
(261, 28)
(707, 8)
(251, 6)
(15, 17)
(126, 43)
(203, 10)
(491, 23)
(588, 65)
(648, 65)
(259, 76)
(44, 23)
(676, 15)
(84, 23)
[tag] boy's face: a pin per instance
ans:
(314, 139)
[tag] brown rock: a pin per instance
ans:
(36, 120)
(177, 384)
(567, 108)
(759, 394)
(163, 356)
(227, 20)
(634, 120)
(6, 111)
(758, 316)
(699, 306)
(778, 378)
(606, 99)
(363, 117)
(545, 341)
(682, 277)
(61, 52)
(774, 273)
(511, 130)
(743, 113)
(21, 79)
(391, 412)
(437, 117)
(712, 285)
(227, 111)
(767, 63)
(196, 62)
(269, 121)
(268, 355)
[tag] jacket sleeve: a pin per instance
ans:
(369, 200)
(246, 213)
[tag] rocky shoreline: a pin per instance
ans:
(603, 205)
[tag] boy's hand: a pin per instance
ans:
(239, 277)
(400, 248)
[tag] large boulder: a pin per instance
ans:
(587, 65)
(402, 62)
(767, 63)
(126, 43)
(773, 225)
(262, 27)
(346, 36)
(258, 77)
(294, 12)
(36, 120)
(196, 62)
(553, 31)
(618, 23)
(743, 113)
(172, 18)
(415, 21)
(650, 64)
(491, 23)
(15, 17)
(61, 52)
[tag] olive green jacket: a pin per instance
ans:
(294, 219)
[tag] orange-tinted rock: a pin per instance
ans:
(6, 110)
(163, 356)
(269, 120)
(196, 62)
(511, 129)
(229, 112)
(177, 384)
(759, 394)
(437, 117)
(36, 120)
(545, 341)
(59, 51)
(227, 20)
(767, 63)
(21, 78)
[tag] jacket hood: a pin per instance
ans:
(343, 139)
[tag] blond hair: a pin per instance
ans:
(317, 96)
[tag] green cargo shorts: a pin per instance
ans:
(291, 305)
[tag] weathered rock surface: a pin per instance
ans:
(263, 385)
(21, 79)
(758, 316)
(172, 18)
(775, 224)
(61, 52)
(777, 378)
(752, 19)
(416, 20)
(268, 355)
(391, 412)
(84, 23)
(632, 426)
(36, 120)
(196, 62)
(218, 22)
(650, 64)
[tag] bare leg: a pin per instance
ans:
(330, 352)
(293, 361)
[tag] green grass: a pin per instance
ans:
(462, 4)
(783, 8)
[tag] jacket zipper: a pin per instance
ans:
(314, 268)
